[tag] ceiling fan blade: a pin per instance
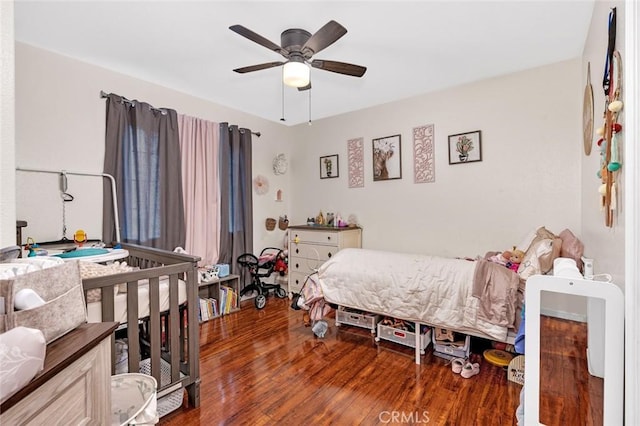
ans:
(258, 67)
(257, 38)
(323, 38)
(303, 88)
(339, 67)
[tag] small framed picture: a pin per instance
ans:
(329, 167)
(387, 158)
(465, 147)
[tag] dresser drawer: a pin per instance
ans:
(304, 265)
(311, 251)
(296, 280)
(316, 237)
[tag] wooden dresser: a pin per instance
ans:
(311, 246)
(75, 385)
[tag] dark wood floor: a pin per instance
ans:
(266, 367)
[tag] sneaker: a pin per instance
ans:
(470, 370)
(457, 364)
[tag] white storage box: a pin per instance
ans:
(404, 337)
(450, 350)
(357, 318)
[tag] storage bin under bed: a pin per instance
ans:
(404, 337)
(357, 318)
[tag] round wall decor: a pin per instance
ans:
(280, 164)
(587, 114)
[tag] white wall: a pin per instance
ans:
(605, 245)
(60, 122)
(7, 127)
(529, 174)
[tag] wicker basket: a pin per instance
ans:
(283, 223)
(270, 223)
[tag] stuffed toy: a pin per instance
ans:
(515, 260)
(501, 258)
(281, 263)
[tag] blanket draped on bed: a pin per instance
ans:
(463, 295)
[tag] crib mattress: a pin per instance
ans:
(94, 310)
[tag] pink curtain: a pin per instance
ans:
(199, 144)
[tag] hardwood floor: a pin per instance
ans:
(265, 367)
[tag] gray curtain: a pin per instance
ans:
(142, 153)
(236, 203)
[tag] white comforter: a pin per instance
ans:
(431, 290)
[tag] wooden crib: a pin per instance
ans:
(164, 342)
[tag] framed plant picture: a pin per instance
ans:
(465, 147)
(329, 167)
(387, 158)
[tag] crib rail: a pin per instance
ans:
(172, 335)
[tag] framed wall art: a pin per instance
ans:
(387, 158)
(465, 147)
(329, 166)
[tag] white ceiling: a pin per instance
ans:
(409, 48)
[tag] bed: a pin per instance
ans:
(430, 290)
(471, 296)
(152, 297)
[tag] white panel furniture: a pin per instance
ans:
(75, 385)
(311, 246)
(613, 341)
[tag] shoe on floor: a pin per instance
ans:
(470, 370)
(457, 364)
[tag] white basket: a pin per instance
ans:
(358, 319)
(404, 337)
(450, 351)
(133, 399)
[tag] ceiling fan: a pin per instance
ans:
(298, 46)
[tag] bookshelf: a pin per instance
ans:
(219, 297)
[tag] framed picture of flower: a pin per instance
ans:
(329, 167)
(465, 147)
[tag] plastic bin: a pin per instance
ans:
(404, 337)
(357, 318)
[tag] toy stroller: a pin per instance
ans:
(259, 268)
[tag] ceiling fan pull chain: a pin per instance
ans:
(282, 117)
(309, 106)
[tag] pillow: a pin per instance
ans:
(22, 354)
(529, 266)
(543, 250)
(572, 247)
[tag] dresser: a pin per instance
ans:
(74, 386)
(311, 246)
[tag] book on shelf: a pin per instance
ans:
(230, 298)
(208, 309)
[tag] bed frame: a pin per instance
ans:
(170, 339)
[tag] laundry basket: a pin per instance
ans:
(133, 399)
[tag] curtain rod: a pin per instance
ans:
(253, 133)
(104, 94)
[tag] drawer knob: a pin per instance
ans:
(329, 237)
(297, 266)
(297, 251)
(297, 282)
(329, 254)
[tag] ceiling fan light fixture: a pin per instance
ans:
(295, 74)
